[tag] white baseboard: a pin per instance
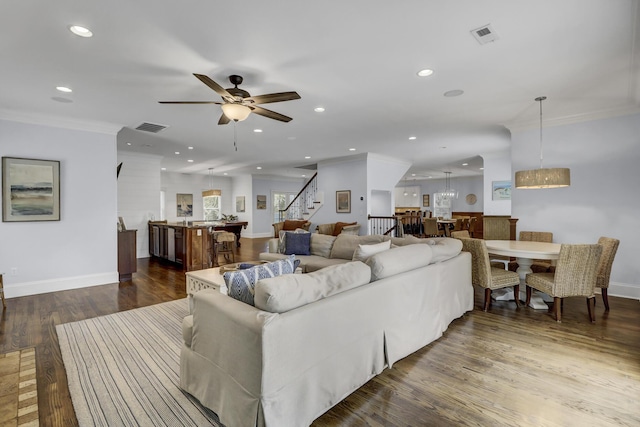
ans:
(61, 284)
(257, 235)
(624, 290)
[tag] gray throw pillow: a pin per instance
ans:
(297, 243)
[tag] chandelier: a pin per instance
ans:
(448, 192)
(543, 177)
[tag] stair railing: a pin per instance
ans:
(303, 201)
(386, 225)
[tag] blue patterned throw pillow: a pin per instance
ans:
(240, 284)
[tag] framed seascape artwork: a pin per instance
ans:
(343, 201)
(425, 200)
(30, 190)
(239, 203)
(184, 204)
(501, 190)
(261, 202)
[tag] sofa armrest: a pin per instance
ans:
(187, 330)
(351, 229)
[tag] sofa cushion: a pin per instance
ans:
(321, 244)
(241, 283)
(297, 243)
(284, 293)
(337, 229)
(398, 260)
(444, 248)
(363, 252)
(407, 240)
(290, 224)
(346, 244)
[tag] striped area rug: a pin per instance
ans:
(123, 369)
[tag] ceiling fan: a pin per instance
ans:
(238, 103)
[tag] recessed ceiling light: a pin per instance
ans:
(304, 176)
(465, 164)
(352, 149)
(128, 143)
(64, 89)
(481, 169)
(258, 167)
(413, 174)
(163, 169)
(425, 73)
(257, 130)
(411, 138)
(319, 109)
(452, 93)
(190, 161)
(225, 173)
(190, 148)
(307, 157)
(80, 31)
(177, 152)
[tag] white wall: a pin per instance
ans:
(262, 219)
(139, 195)
(81, 249)
(602, 200)
(497, 167)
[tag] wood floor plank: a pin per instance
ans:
(505, 367)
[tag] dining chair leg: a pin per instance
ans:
(557, 308)
(528, 296)
(487, 299)
(591, 307)
(516, 295)
(605, 299)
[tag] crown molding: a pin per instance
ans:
(61, 122)
(572, 119)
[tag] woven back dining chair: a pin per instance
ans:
(609, 249)
(486, 276)
(538, 265)
(431, 228)
(575, 275)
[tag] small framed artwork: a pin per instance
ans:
(30, 190)
(184, 204)
(425, 200)
(239, 203)
(501, 190)
(261, 202)
(343, 201)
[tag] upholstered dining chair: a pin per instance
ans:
(609, 249)
(539, 265)
(575, 275)
(462, 234)
(486, 276)
(431, 228)
(472, 225)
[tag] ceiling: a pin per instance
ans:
(357, 59)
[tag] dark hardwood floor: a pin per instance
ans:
(504, 367)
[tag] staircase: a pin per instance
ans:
(306, 203)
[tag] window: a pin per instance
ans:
(212, 204)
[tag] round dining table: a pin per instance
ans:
(447, 225)
(524, 252)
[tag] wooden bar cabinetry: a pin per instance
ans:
(127, 260)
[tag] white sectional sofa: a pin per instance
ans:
(312, 339)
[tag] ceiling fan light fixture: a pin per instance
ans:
(236, 112)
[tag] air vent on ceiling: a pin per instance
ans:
(485, 34)
(151, 127)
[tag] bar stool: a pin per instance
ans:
(4, 304)
(222, 244)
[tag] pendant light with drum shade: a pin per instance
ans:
(543, 177)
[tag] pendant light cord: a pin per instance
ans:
(235, 136)
(540, 99)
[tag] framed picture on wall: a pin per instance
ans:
(501, 190)
(343, 201)
(425, 200)
(261, 202)
(30, 190)
(184, 204)
(239, 203)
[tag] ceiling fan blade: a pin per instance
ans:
(189, 102)
(270, 114)
(274, 97)
(223, 120)
(215, 86)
